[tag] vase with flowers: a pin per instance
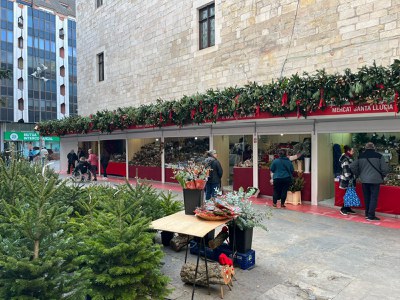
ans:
(193, 176)
(193, 179)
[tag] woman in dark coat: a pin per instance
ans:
(347, 178)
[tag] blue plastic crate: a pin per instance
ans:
(211, 254)
(243, 260)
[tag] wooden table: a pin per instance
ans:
(191, 226)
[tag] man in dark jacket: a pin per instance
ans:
(371, 168)
(214, 178)
(72, 159)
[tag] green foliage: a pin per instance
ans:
(369, 85)
(118, 250)
(64, 242)
(149, 199)
(168, 204)
(297, 183)
(33, 237)
(249, 216)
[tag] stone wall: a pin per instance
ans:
(151, 47)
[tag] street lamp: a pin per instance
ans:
(38, 74)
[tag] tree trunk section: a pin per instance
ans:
(214, 273)
(219, 239)
(179, 241)
(36, 250)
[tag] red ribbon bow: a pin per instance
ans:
(298, 108)
(284, 99)
(321, 100)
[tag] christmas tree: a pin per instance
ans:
(32, 224)
(117, 248)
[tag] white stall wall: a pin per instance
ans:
(66, 146)
(325, 167)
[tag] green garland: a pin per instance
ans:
(302, 94)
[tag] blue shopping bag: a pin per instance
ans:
(351, 198)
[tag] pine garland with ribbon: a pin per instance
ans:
(300, 94)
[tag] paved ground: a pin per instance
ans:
(304, 256)
(308, 253)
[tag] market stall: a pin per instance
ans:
(146, 159)
(180, 150)
(388, 145)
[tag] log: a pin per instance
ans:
(219, 239)
(214, 273)
(179, 241)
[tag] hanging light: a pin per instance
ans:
(61, 33)
(20, 22)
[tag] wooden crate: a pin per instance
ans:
(293, 198)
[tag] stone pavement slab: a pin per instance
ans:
(305, 256)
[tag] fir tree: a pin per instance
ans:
(33, 242)
(118, 249)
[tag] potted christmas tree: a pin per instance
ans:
(294, 193)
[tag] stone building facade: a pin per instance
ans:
(151, 48)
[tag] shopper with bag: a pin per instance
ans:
(282, 176)
(371, 168)
(347, 180)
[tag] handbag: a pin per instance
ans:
(351, 198)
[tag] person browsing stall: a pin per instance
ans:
(347, 178)
(282, 174)
(371, 168)
(214, 178)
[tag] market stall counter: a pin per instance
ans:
(169, 174)
(145, 172)
(243, 177)
(115, 168)
(388, 200)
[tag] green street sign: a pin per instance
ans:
(29, 136)
(21, 136)
(51, 138)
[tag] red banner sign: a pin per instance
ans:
(351, 109)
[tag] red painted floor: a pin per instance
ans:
(305, 207)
